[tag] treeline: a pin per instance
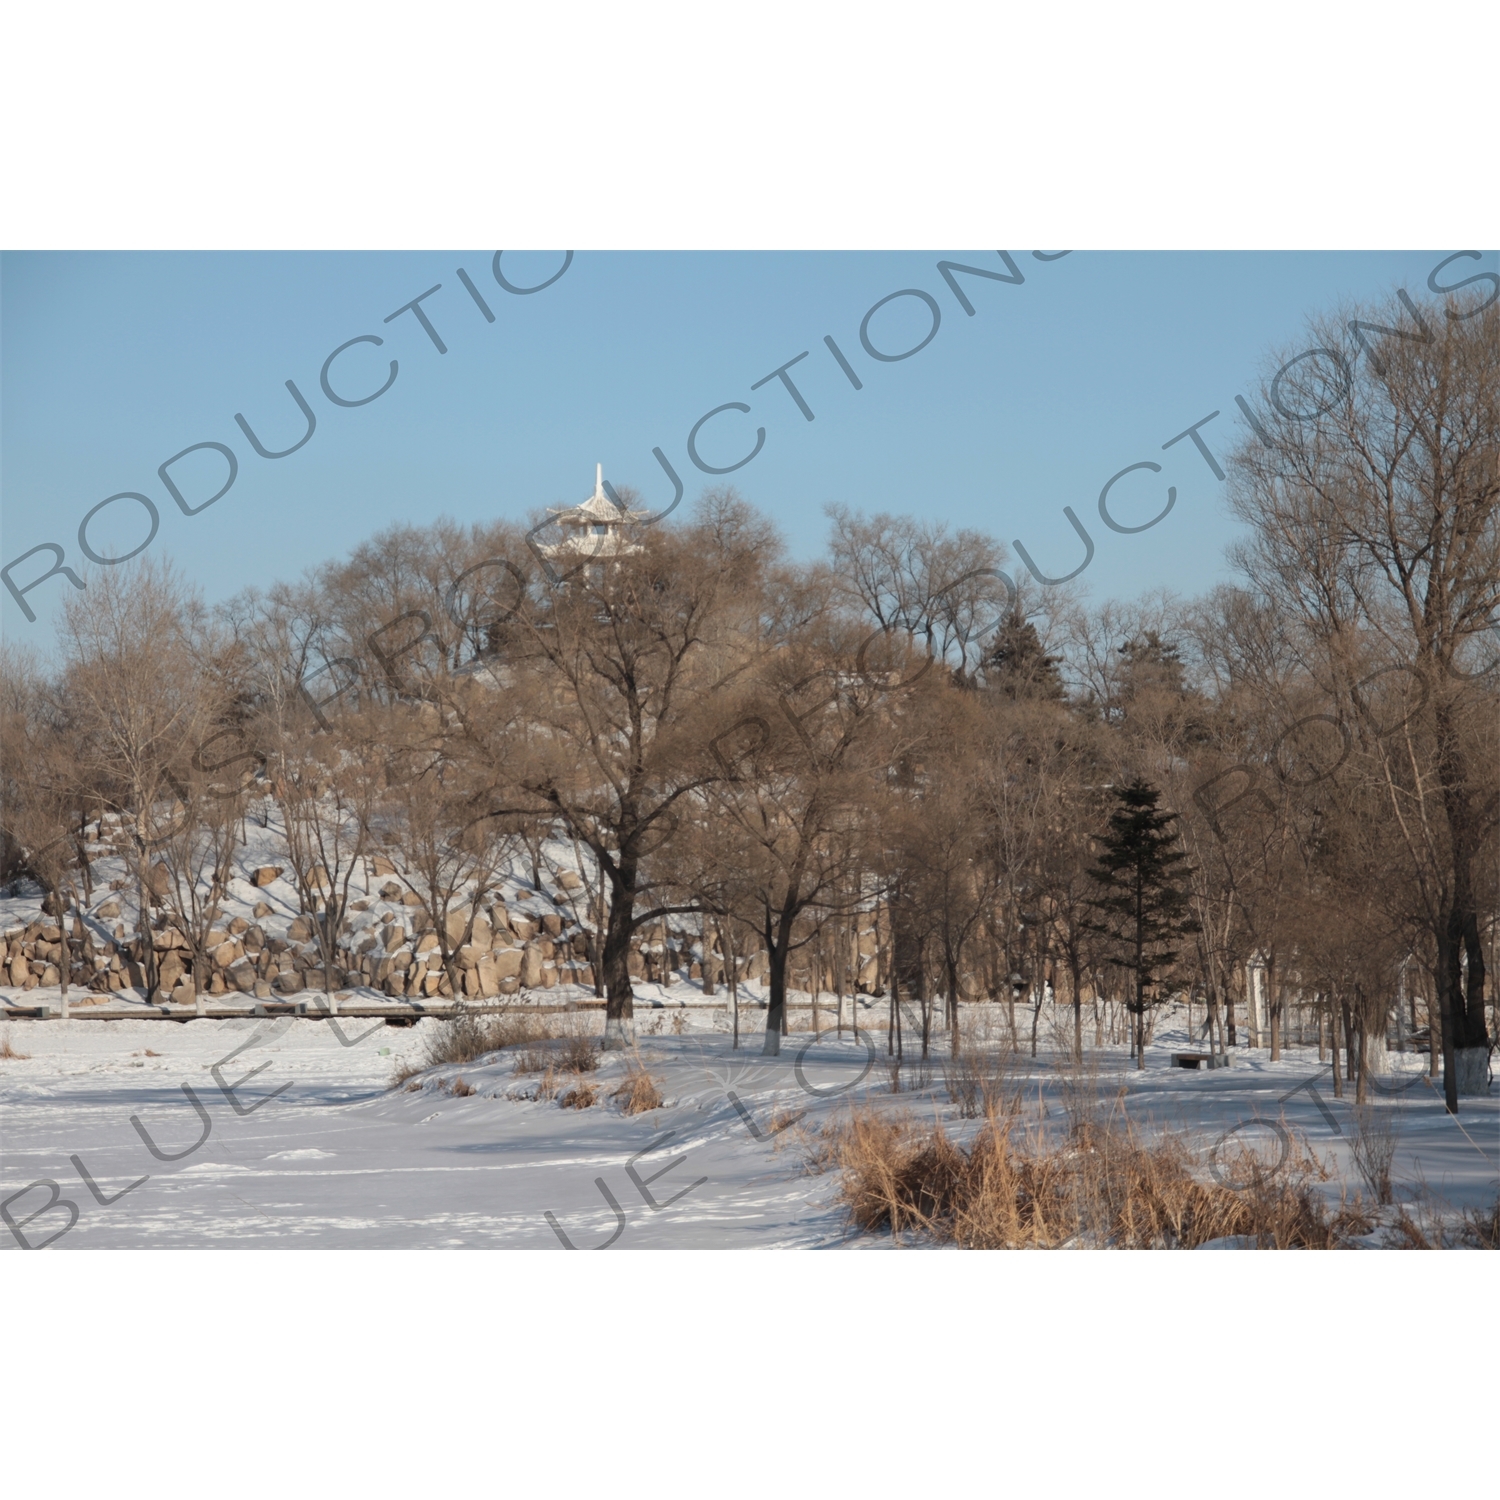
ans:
(732, 737)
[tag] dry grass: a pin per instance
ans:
(1481, 1227)
(1102, 1186)
(461, 1090)
(580, 1096)
(980, 1079)
(467, 1038)
(533, 1060)
(1407, 1234)
(9, 1053)
(637, 1092)
(578, 1052)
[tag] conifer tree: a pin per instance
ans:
(1142, 905)
(1018, 666)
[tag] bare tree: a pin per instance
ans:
(1372, 487)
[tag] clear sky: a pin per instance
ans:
(112, 363)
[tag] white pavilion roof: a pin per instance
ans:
(598, 507)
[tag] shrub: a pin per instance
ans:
(581, 1096)
(637, 1092)
(1373, 1147)
(1103, 1186)
(466, 1037)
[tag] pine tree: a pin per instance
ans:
(1142, 906)
(1018, 666)
(1152, 663)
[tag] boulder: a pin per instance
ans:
(510, 986)
(552, 923)
(262, 909)
(523, 927)
(160, 880)
(427, 943)
(226, 953)
(300, 930)
(109, 911)
(531, 966)
(380, 865)
(265, 875)
(390, 891)
(237, 926)
(506, 963)
(569, 880)
(394, 936)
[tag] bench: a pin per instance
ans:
(1197, 1060)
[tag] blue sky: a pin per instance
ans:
(112, 363)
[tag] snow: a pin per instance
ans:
(339, 1158)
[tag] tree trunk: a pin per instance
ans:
(1075, 978)
(952, 978)
(708, 959)
(731, 961)
(1332, 1026)
(619, 1006)
(1273, 1008)
(778, 952)
(1362, 1057)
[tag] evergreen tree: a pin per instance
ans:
(1018, 667)
(1142, 906)
(1151, 663)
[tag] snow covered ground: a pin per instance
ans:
(315, 1147)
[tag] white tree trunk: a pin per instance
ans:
(1473, 1064)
